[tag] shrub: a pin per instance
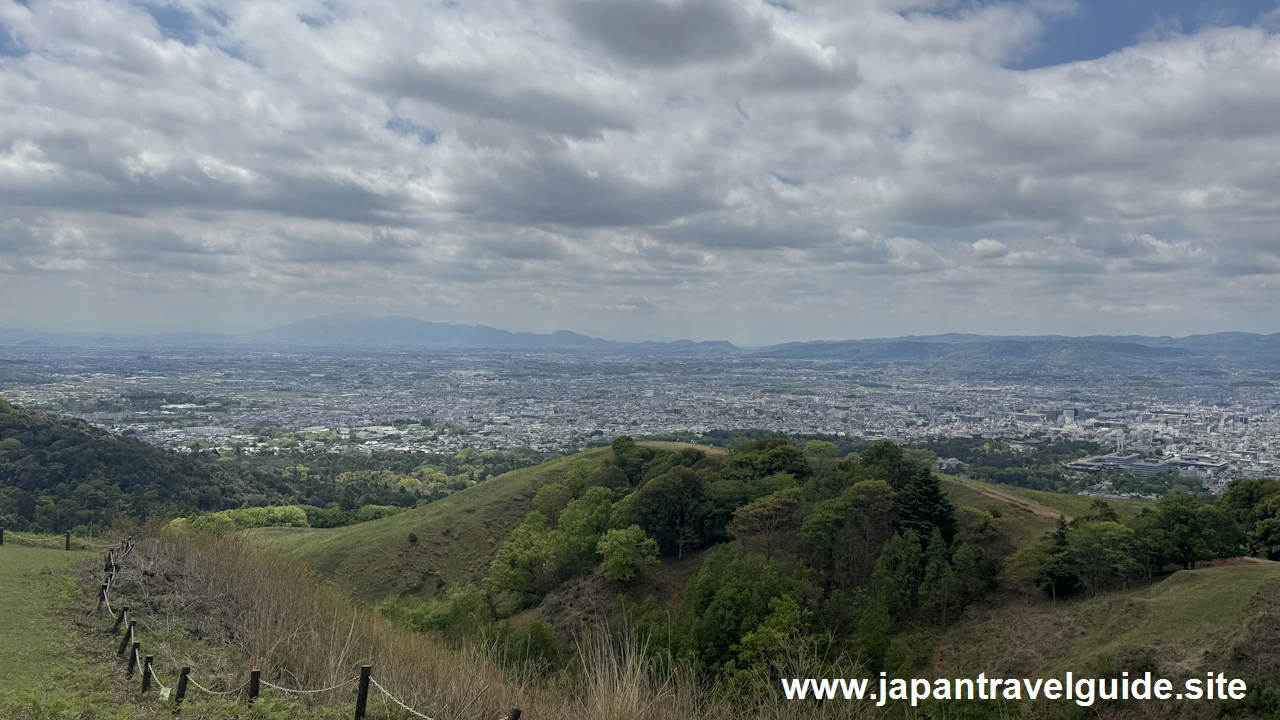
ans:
(627, 552)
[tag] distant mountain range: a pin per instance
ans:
(345, 329)
(392, 330)
(410, 331)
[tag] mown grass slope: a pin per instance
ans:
(457, 536)
(1028, 514)
(30, 645)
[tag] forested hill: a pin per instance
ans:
(59, 473)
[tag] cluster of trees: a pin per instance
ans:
(1254, 506)
(59, 473)
(1038, 466)
(832, 556)
(853, 548)
(1098, 550)
(741, 438)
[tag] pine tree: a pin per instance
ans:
(896, 577)
(921, 507)
(940, 586)
(1059, 544)
(873, 632)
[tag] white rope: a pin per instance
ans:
(32, 539)
(308, 692)
(396, 700)
(160, 682)
(106, 596)
(211, 692)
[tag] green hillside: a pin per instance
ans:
(1222, 616)
(1029, 513)
(457, 536)
(59, 473)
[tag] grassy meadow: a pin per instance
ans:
(30, 585)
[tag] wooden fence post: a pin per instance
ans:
(119, 619)
(182, 685)
(362, 691)
(255, 681)
(146, 672)
(68, 538)
(128, 637)
(133, 659)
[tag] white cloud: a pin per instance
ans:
(556, 163)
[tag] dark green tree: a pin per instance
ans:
(921, 506)
(897, 575)
(940, 587)
(669, 509)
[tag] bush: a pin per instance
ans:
(551, 499)
(284, 516)
(627, 552)
(228, 520)
(461, 613)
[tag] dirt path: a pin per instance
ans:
(1031, 507)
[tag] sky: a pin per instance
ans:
(758, 171)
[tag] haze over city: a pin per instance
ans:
(757, 172)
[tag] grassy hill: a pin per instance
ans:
(1212, 617)
(457, 536)
(1028, 513)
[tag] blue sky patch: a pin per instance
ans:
(403, 126)
(175, 23)
(9, 45)
(1100, 27)
(315, 22)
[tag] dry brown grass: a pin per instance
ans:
(254, 606)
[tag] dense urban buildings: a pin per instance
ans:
(440, 399)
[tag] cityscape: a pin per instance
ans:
(442, 399)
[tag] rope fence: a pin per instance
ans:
(51, 542)
(145, 664)
(291, 691)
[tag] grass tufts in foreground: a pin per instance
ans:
(226, 604)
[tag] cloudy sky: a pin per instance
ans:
(751, 170)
